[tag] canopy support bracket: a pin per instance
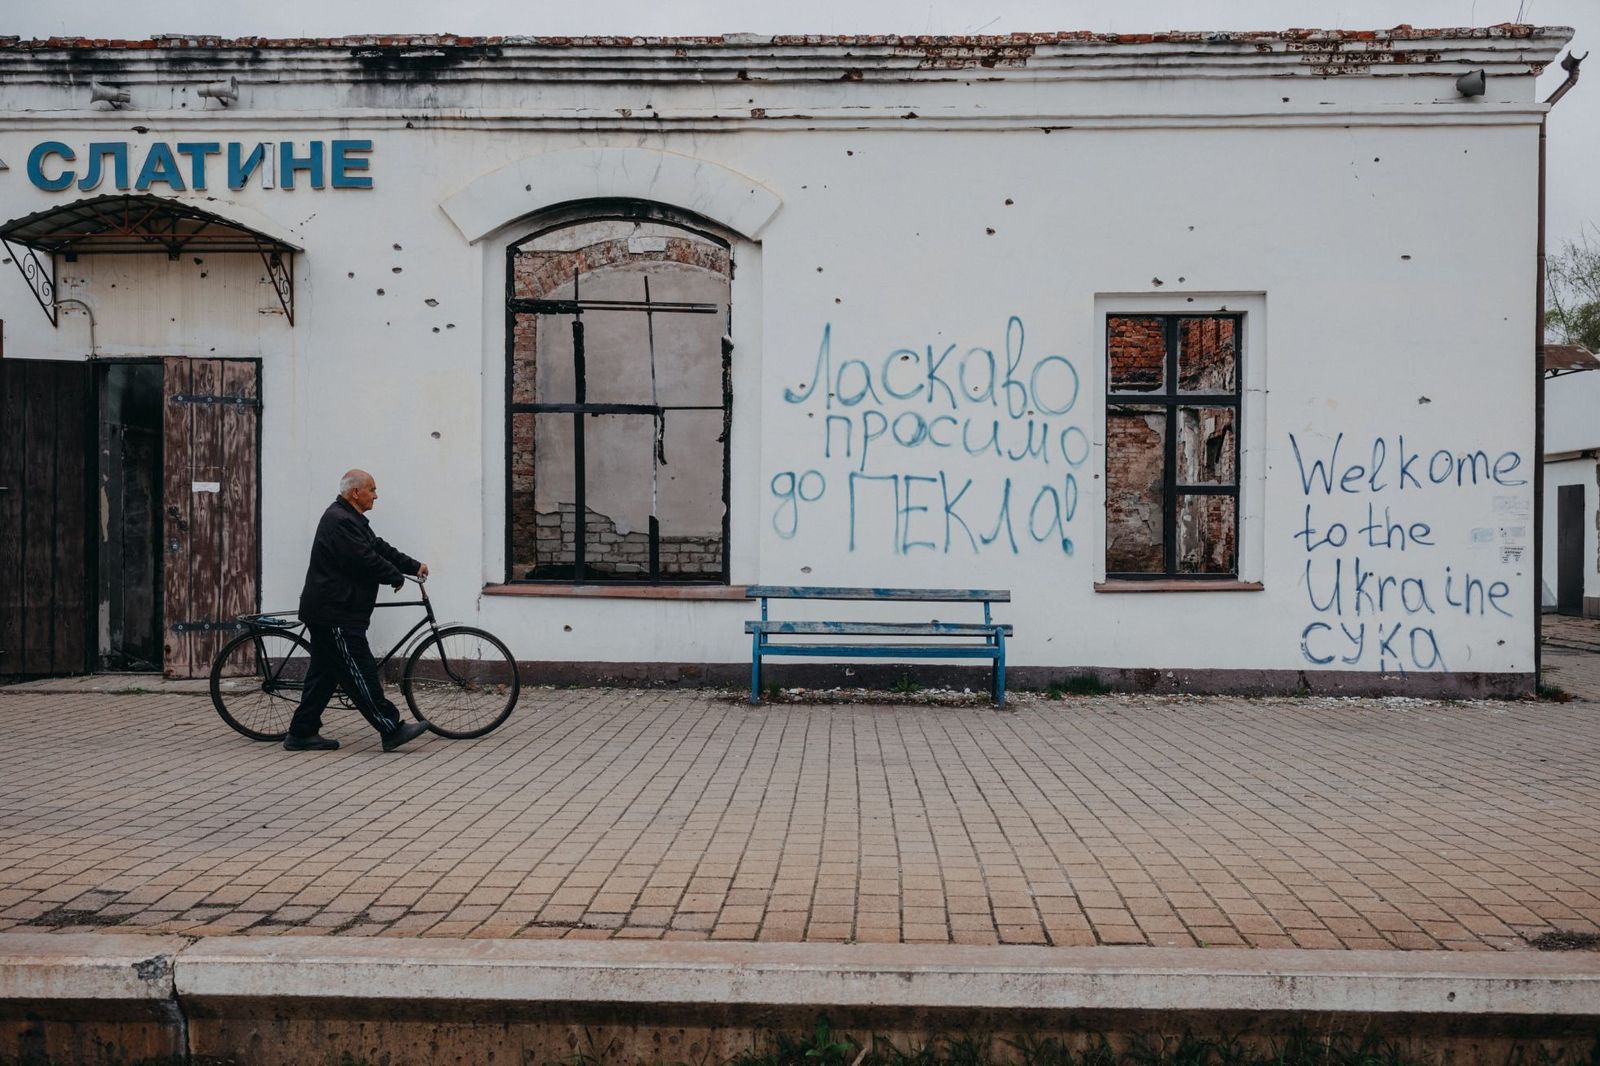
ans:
(280, 272)
(41, 278)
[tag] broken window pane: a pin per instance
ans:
(1206, 541)
(690, 495)
(1206, 445)
(1135, 467)
(1208, 356)
(619, 349)
(1136, 353)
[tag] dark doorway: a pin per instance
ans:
(45, 436)
(130, 516)
(1569, 550)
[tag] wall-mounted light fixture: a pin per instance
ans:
(1472, 83)
(223, 92)
(110, 94)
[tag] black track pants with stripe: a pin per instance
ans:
(340, 658)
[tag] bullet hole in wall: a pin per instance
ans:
(434, 434)
(397, 248)
(989, 230)
(380, 292)
(395, 270)
(1009, 201)
(1157, 281)
(351, 274)
(449, 325)
(805, 569)
(566, 629)
(1182, 280)
(1405, 257)
(431, 302)
(436, 329)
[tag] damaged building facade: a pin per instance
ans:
(1190, 340)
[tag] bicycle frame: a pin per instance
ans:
(429, 621)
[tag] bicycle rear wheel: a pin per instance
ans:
(256, 681)
(462, 681)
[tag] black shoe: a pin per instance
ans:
(407, 732)
(315, 742)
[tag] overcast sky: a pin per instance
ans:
(1574, 130)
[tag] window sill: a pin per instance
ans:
(1178, 585)
(620, 592)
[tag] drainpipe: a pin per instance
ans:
(88, 311)
(1569, 63)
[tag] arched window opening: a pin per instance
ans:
(619, 401)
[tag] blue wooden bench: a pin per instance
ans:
(893, 640)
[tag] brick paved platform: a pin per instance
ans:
(1314, 823)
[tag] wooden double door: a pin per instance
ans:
(129, 512)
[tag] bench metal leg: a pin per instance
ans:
(755, 668)
(1000, 670)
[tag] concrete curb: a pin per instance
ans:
(285, 1001)
(122, 967)
(115, 968)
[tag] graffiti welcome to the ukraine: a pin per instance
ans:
(1375, 576)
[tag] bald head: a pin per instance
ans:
(359, 488)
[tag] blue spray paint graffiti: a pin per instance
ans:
(909, 437)
(1371, 575)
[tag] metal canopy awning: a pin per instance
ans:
(136, 225)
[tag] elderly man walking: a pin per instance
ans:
(348, 563)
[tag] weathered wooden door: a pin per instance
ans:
(211, 508)
(1569, 549)
(45, 415)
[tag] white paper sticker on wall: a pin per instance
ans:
(207, 486)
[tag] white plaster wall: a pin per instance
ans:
(1572, 412)
(1362, 244)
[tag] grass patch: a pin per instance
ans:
(1552, 693)
(905, 685)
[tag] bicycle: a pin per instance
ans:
(460, 680)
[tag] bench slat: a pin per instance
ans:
(908, 629)
(882, 651)
(813, 592)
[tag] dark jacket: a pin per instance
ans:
(348, 563)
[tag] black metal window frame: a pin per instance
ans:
(609, 211)
(1170, 399)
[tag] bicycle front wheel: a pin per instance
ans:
(462, 681)
(256, 681)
